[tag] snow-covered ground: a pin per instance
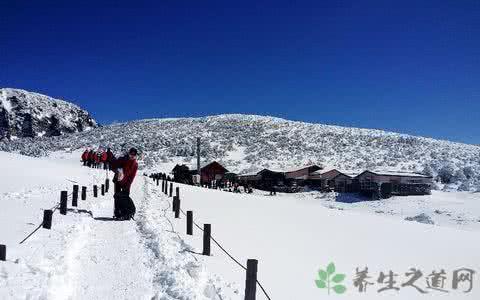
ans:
(88, 256)
(459, 210)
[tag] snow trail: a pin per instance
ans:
(143, 258)
(112, 263)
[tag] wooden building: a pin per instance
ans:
(265, 179)
(213, 171)
(402, 183)
(181, 173)
(344, 182)
(301, 173)
(330, 178)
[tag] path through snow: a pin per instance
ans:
(141, 259)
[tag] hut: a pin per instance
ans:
(400, 183)
(300, 175)
(264, 179)
(181, 173)
(327, 179)
(211, 172)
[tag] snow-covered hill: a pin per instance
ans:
(246, 143)
(27, 114)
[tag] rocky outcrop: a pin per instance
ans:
(27, 114)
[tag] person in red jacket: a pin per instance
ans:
(85, 157)
(96, 160)
(104, 160)
(110, 158)
(90, 159)
(125, 169)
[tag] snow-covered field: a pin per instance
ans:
(88, 256)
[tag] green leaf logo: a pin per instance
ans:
(330, 281)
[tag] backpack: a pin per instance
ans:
(124, 206)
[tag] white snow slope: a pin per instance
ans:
(87, 256)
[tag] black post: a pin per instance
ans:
(3, 252)
(177, 191)
(207, 231)
(171, 189)
(47, 219)
(163, 185)
(95, 191)
(63, 202)
(75, 195)
(189, 222)
(177, 209)
(84, 193)
(174, 202)
(103, 190)
(251, 281)
(107, 185)
(157, 181)
(166, 187)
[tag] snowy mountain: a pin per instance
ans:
(27, 114)
(247, 143)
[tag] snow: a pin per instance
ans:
(247, 143)
(4, 102)
(37, 112)
(293, 238)
(398, 173)
(88, 256)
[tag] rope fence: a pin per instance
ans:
(47, 217)
(167, 189)
(251, 268)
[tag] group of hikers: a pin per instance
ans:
(125, 169)
(98, 159)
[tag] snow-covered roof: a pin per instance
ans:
(351, 173)
(193, 167)
(249, 174)
(298, 168)
(398, 173)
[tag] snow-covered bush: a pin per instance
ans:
(446, 174)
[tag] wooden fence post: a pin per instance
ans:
(174, 202)
(95, 191)
(107, 185)
(189, 222)
(177, 191)
(207, 231)
(47, 219)
(63, 202)
(75, 195)
(171, 189)
(157, 181)
(251, 281)
(177, 209)
(84, 193)
(3, 252)
(163, 185)
(103, 189)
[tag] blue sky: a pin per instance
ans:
(405, 66)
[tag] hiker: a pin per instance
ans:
(97, 158)
(125, 169)
(90, 159)
(110, 158)
(103, 159)
(85, 157)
